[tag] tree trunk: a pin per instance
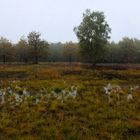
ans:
(94, 64)
(36, 59)
(4, 59)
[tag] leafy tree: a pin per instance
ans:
(93, 33)
(34, 42)
(6, 50)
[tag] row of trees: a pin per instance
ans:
(32, 49)
(125, 51)
(93, 47)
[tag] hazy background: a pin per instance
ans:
(55, 19)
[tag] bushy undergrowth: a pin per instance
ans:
(69, 103)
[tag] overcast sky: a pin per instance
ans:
(55, 19)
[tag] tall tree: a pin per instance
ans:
(93, 33)
(34, 42)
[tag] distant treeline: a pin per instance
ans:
(125, 51)
(26, 51)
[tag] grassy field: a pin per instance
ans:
(61, 102)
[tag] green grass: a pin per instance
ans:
(89, 116)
